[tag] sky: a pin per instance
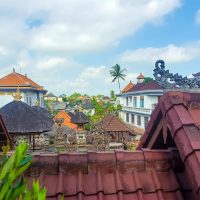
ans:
(70, 45)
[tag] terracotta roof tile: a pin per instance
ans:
(15, 79)
(128, 87)
(112, 123)
(141, 76)
(180, 112)
(112, 175)
(153, 85)
(67, 119)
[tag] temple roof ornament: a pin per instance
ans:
(168, 80)
(17, 95)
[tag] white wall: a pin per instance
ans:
(123, 117)
(5, 99)
(149, 101)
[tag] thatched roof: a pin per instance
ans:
(43, 113)
(79, 118)
(21, 118)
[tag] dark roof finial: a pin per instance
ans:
(13, 70)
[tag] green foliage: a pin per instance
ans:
(117, 73)
(87, 127)
(12, 183)
(148, 79)
(131, 146)
(102, 109)
(74, 99)
(64, 99)
(112, 95)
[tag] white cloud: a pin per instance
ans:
(51, 62)
(3, 51)
(44, 38)
(132, 76)
(198, 17)
(171, 53)
(77, 26)
(94, 72)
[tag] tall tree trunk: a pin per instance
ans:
(119, 85)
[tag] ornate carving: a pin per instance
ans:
(17, 95)
(168, 80)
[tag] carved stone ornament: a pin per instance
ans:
(17, 95)
(168, 80)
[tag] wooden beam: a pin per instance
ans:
(155, 135)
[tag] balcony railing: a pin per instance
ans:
(140, 110)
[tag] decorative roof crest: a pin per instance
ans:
(168, 80)
(17, 95)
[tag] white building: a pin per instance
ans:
(138, 101)
(31, 92)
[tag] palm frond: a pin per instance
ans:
(114, 79)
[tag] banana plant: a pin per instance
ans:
(12, 183)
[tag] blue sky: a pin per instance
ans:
(70, 45)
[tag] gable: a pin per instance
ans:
(174, 124)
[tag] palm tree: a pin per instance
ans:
(117, 73)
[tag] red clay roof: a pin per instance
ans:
(140, 175)
(112, 123)
(67, 119)
(141, 76)
(175, 123)
(153, 85)
(168, 169)
(14, 79)
(128, 87)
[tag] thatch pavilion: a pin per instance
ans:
(22, 120)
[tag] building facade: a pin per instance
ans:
(138, 101)
(31, 92)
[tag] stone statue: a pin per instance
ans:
(168, 80)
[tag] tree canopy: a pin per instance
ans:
(117, 73)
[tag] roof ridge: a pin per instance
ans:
(109, 120)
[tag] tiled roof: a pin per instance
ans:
(112, 123)
(153, 85)
(140, 175)
(128, 87)
(15, 79)
(175, 122)
(137, 130)
(166, 166)
(67, 119)
(141, 76)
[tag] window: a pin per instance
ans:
(41, 101)
(127, 117)
(139, 120)
(132, 118)
(130, 99)
(29, 99)
(146, 119)
(142, 102)
(126, 101)
(135, 102)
